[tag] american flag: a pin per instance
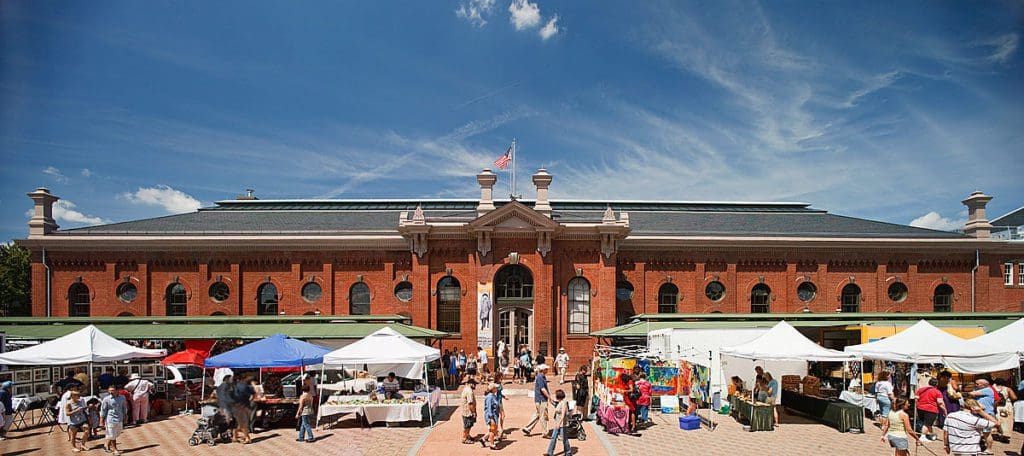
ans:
(502, 161)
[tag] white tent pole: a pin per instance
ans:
(318, 398)
(92, 388)
(202, 389)
(426, 379)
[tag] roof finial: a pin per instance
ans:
(418, 216)
(609, 215)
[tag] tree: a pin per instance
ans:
(15, 281)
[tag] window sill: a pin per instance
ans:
(577, 336)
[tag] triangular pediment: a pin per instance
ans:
(514, 216)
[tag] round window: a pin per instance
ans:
(806, 291)
(715, 291)
(403, 291)
(312, 291)
(219, 291)
(127, 292)
(898, 291)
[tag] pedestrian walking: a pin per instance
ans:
(113, 414)
(929, 405)
(500, 395)
(468, 401)
(242, 408)
(461, 359)
(884, 395)
(78, 420)
(305, 415)
(643, 404)
(581, 390)
(481, 356)
(562, 364)
(965, 429)
(471, 366)
(541, 397)
(492, 414)
(446, 364)
(527, 365)
(7, 401)
(897, 430)
(502, 361)
(140, 389)
(632, 395)
(559, 425)
(951, 396)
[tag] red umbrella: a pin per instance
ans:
(195, 352)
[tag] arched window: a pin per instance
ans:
(125, 314)
(449, 304)
(359, 299)
(850, 298)
(266, 296)
(579, 306)
(943, 299)
(668, 298)
(760, 299)
(513, 282)
(78, 300)
(177, 300)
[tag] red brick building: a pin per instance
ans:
(552, 271)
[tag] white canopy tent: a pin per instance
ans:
(386, 351)
(784, 343)
(1010, 337)
(923, 343)
(87, 345)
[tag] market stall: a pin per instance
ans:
(784, 343)
(923, 343)
(758, 416)
(383, 352)
(86, 346)
(275, 351)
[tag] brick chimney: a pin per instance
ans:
(542, 180)
(977, 223)
(42, 222)
(486, 179)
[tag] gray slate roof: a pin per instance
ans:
(1013, 218)
(381, 216)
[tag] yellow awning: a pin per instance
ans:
(870, 333)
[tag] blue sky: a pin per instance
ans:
(886, 110)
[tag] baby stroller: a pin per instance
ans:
(211, 427)
(575, 427)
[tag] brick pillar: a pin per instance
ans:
(145, 291)
(239, 288)
(39, 289)
(329, 288)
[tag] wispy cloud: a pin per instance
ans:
(171, 200)
(475, 11)
(550, 29)
(936, 221)
(86, 172)
(55, 174)
(1003, 47)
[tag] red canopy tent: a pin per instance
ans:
(196, 351)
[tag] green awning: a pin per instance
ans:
(340, 330)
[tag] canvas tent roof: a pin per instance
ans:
(924, 343)
(275, 351)
(87, 345)
(385, 351)
(1010, 337)
(784, 343)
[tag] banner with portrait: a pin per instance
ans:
(485, 316)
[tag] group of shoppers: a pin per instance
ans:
(970, 420)
(123, 404)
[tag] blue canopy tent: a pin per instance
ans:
(275, 351)
(278, 350)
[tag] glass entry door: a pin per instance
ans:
(514, 328)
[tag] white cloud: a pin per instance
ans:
(55, 174)
(550, 29)
(524, 15)
(86, 172)
(933, 220)
(64, 211)
(171, 200)
(474, 11)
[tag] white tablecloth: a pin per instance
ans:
(358, 384)
(328, 410)
(376, 413)
(867, 402)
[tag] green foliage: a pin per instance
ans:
(15, 281)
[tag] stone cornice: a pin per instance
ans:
(216, 243)
(747, 242)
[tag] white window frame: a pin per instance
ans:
(1008, 273)
(1020, 274)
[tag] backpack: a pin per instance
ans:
(634, 394)
(997, 399)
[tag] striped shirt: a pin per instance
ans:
(964, 431)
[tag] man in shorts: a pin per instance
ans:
(468, 399)
(113, 413)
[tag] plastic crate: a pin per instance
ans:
(689, 422)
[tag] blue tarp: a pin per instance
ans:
(275, 351)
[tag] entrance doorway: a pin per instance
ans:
(513, 301)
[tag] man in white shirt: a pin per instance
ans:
(965, 427)
(502, 363)
(140, 389)
(482, 356)
(562, 363)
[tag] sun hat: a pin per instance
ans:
(561, 349)
(134, 377)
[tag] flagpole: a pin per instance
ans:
(513, 195)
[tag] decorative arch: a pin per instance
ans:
(449, 304)
(359, 298)
(668, 298)
(850, 297)
(80, 299)
(943, 297)
(760, 298)
(176, 298)
(578, 305)
(268, 298)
